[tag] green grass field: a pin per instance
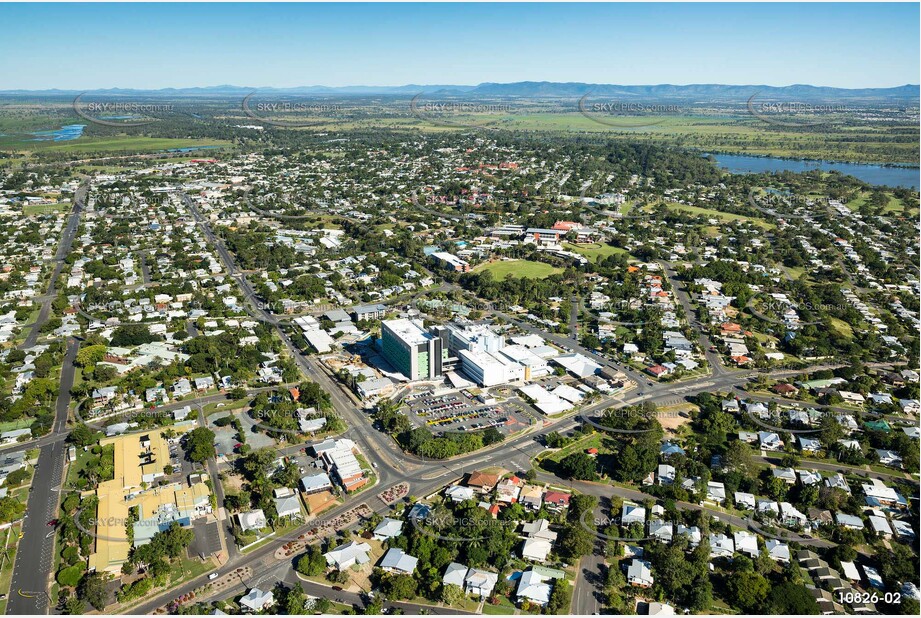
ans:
(716, 214)
(519, 268)
(45, 209)
(594, 251)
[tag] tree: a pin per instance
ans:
(789, 598)
(93, 589)
(560, 598)
(312, 563)
(90, 355)
(399, 587)
(578, 466)
(452, 594)
(82, 435)
(74, 606)
(200, 444)
(747, 590)
(575, 541)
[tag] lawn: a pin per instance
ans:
(722, 216)
(842, 328)
(519, 268)
(594, 251)
(129, 143)
(45, 209)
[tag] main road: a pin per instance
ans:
(34, 563)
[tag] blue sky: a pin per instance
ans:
(81, 46)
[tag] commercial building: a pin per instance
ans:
(416, 353)
(451, 261)
(139, 465)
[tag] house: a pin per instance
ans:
(721, 546)
(787, 475)
(780, 552)
(288, 506)
(639, 574)
(345, 556)
(880, 526)
(838, 481)
(692, 532)
(256, 600)
(480, 583)
(315, 483)
(665, 474)
(851, 522)
(536, 549)
(388, 528)
(770, 441)
(252, 520)
(746, 543)
(716, 492)
(809, 477)
(455, 575)
(632, 514)
(809, 445)
(482, 482)
(555, 500)
(15, 435)
(790, 516)
(531, 497)
(744, 500)
(508, 489)
(889, 458)
(397, 561)
(458, 493)
(768, 508)
(661, 530)
(533, 588)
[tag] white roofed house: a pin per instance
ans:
(744, 500)
(721, 546)
(889, 458)
(768, 508)
(716, 492)
(661, 530)
(480, 583)
(809, 445)
(778, 551)
(459, 493)
(533, 588)
(345, 556)
(770, 441)
(880, 526)
(692, 532)
(288, 506)
(252, 520)
(256, 600)
(746, 543)
(787, 475)
(639, 574)
(790, 516)
(665, 474)
(852, 522)
(388, 528)
(632, 514)
(398, 561)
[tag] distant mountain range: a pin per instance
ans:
(909, 92)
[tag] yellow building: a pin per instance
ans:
(139, 462)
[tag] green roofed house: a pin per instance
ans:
(878, 425)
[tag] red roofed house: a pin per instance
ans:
(556, 500)
(657, 370)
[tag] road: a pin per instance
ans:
(35, 556)
(67, 239)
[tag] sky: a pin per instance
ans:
(87, 46)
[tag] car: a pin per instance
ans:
(53, 522)
(337, 588)
(213, 576)
(373, 464)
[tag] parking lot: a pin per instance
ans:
(459, 411)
